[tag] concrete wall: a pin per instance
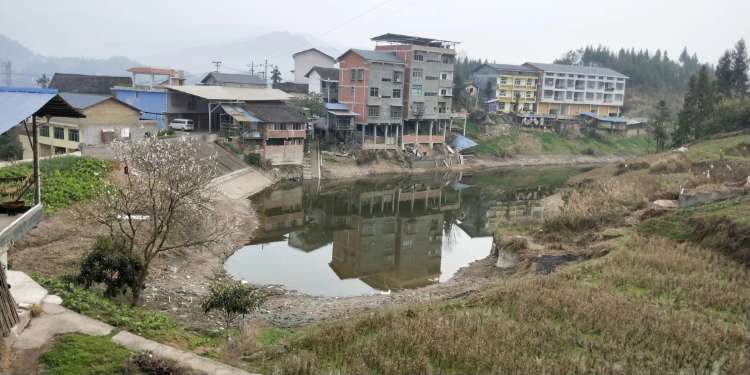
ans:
(314, 83)
(305, 61)
(284, 154)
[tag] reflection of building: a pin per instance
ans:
(395, 239)
(280, 211)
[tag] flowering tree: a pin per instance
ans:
(163, 203)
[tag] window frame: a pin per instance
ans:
(54, 133)
(77, 133)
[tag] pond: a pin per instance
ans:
(380, 235)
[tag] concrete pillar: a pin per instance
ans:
(386, 133)
(374, 133)
(416, 131)
(364, 129)
(430, 135)
(445, 130)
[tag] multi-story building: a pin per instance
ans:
(428, 86)
(507, 88)
(372, 86)
(306, 60)
(569, 90)
(324, 82)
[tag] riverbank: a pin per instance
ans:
(346, 168)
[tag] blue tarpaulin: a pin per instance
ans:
(20, 103)
(461, 143)
(615, 120)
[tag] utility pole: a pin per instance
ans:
(217, 63)
(252, 67)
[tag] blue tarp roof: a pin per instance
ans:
(461, 143)
(336, 107)
(616, 120)
(20, 103)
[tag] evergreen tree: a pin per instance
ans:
(698, 108)
(275, 75)
(739, 69)
(10, 146)
(725, 74)
(660, 125)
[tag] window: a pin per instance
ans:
(549, 81)
(373, 111)
(532, 82)
(620, 86)
(589, 96)
(417, 74)
(418, 56)
(569, 95)
(590, 84)
(618, 97)
(44, 131)
(548, 93)
(446, 76)
(59, 133)
(418, 108)
(502, 93)
(416, 90)
(442, 107)
(529, 94)
(518, 82)
(395, 113)
(430, 93)
(374, 91)
(396, 93)
(445, 92)
(73, 135)
(501, 106)
(398, 77)
(357, 75)
(447, 59)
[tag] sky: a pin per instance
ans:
(500, 30)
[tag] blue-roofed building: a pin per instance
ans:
(615, 125)
(152, 102)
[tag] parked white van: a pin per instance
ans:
(182, 124)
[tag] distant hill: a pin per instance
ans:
(28, 66)
(277, 47)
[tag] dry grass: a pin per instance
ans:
(650, 306)
(671, 163)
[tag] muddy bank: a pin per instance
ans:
(345, 168)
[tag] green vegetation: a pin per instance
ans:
(76, 354)
(10, 146)
(718, 148)
(523, 143)
(150, 324)
(65, 180)
(526, 178)
(232, 299)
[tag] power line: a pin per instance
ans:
(379, 5)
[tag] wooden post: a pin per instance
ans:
(35, 153)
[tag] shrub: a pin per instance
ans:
(165, 133)
(148, 364)
(111, 264)
(253, 159)
(233, 299)
(477, 116)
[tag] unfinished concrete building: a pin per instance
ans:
(428, 87)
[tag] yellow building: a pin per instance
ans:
(106, 119)
(508, 88)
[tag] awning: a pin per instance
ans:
(461, 143)
(343, 113)
(20, 103)
(239, 113)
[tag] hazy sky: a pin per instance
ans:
(502, 30)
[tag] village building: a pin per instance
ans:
(372, 86)
(87, 84)
(324, 82)
(21, 107)
(338, 123)
(428, 87)
(295, 90)
(233, 80)
(106, 119)
(566, 91)
(305, 60)
(147, 92)
(507, 88)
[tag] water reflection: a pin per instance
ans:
(366, 237)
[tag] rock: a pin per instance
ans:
(666, 204)
(52, 300)
(507, 259)
(709, 194)
(507, 250)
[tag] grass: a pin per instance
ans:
(532, 143)
(519, 178)
(75, 354)
(65, 180)
(713, 149)
(141, 321)
(650, 306)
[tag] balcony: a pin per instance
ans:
(286, 134)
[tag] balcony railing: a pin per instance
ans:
(286, 134)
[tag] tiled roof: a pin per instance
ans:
(274, 112)
(329, 74)
(87, 84)
(376, 56)
(228, 78)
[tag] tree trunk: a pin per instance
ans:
(140, 285)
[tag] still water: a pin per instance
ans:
(374, 236)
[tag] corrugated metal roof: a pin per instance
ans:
(461, 143)
(81, 101)
(239, 113)
(376, 56)
(336, 107)
(343, 113)
(241, 79)
(508, 68)
(577, 69)
(20, 103)
(616, 120)
(274, 112)
(232, 93)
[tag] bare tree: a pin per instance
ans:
(163, 203)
